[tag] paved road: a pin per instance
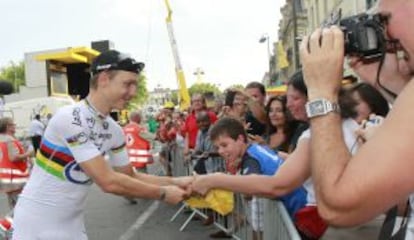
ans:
(109, 217)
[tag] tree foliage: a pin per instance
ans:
(13, 73)
(236, 86)
(174, 97)
(142, 93)
(203, 88)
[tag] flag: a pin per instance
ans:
(219, 200)
(282, 61)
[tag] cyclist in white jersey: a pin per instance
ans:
(71, 158)
(354, 189)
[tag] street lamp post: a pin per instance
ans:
(265, 38)
(198, 73)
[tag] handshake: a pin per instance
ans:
(184, 187)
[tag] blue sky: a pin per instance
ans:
(219, 36)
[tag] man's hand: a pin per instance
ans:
(325, 47)
(174, 194)
(183, 182)
(201, 183)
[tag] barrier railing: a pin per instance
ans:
(277, 222)
(251, 219)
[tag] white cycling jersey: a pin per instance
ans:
(75, 134)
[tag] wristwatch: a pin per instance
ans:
(320, 107)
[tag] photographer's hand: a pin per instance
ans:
(322, 57)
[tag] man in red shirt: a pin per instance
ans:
(198, 104)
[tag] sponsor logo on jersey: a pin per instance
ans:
(91, 122)
(74, 173)
(77, 139)
(76, 117)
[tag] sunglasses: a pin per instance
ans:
(124, 62)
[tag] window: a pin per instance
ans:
(58, 83)
(298, 5)
(370, 3)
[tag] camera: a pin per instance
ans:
(364, 34)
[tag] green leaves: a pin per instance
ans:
(142, 93)
(203, 88)
(13, 73)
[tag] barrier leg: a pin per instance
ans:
(195, 211)
(178, 212)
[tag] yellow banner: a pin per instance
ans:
(282, 61)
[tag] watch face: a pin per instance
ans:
(320, 107)
(316, 108)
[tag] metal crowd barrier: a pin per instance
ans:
(252, 218)
(277, 222)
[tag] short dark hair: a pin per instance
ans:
(4, 122)
(202, 116)
(228, 126)
(297, 81)
(257, 85)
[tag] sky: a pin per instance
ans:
(219, 36)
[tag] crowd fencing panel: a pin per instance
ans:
(252, 218)
(277, 222)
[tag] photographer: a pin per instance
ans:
(350, 189)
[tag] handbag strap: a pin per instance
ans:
(389, 223)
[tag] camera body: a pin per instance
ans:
(364, 35)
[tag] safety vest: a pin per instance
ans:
(137, 147)
(13, 175)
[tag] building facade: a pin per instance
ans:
(299, 18)
(292, 27)
(320, 11)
